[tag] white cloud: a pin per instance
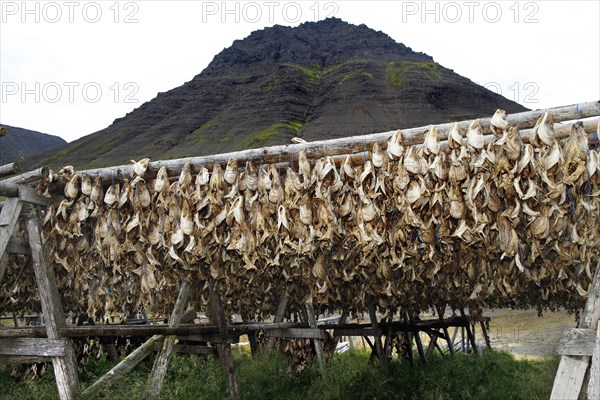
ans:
(555, 60)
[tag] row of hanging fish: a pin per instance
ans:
(486, 221)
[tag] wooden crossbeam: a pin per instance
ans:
(32, 347)
(159, 370)
(297, 333)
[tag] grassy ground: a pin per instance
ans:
(495, 375)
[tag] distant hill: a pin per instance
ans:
(319, 80)
(21, 143)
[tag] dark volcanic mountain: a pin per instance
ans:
(319, 80)
(20, 143)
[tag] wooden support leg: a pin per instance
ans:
(571, 370)
(471, 345)
(217, 316)
(383, 361)
(159, 370)
(486, 336)
(440, 311)
(65, 368)
(278, 318)
(318, 343)
(251, 336)
(9, 216)
(594, 382)
(342, 321)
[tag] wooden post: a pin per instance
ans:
(594, 382)
(278, 318)
(486, 336)
(217, 317)
(383, 361)
(65, 367)
(571, 370)
(159, 370)
(251, 336)
(8, 219)
(318, 343)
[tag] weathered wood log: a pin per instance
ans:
(133, 359)
(383, 361)
(346, 145)
(278, 318)
(317, 343)
(9, 169)
(296, 333)
(577, 342)
(8, 219)
(571, 370)
(24, 359)
(32, 347)
(217, 317)
(144, 330)
(159, 369)
(594, 382)
(29, 176)
(24, 193)
(65, 367)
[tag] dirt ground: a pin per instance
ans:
(525, 334)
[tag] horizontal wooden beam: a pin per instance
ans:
(340, 146)
(9, 169)
(18, 245)
(32, 347)
(143, 330)
(23, 359)
(24, 193)
(29, 176)
(297, 333)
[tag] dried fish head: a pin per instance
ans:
(475, 139)
(499, 122)
(455, 138)
(395, 149)
(140, 167)
(231, 171)
(431, 143)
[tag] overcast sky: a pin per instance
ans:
(70, 68)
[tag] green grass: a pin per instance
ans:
(354, 74)
(494, 375)
(258, 138)
(397, 74)
(203, 128)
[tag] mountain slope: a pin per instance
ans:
(319, 80)
(20, 143)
